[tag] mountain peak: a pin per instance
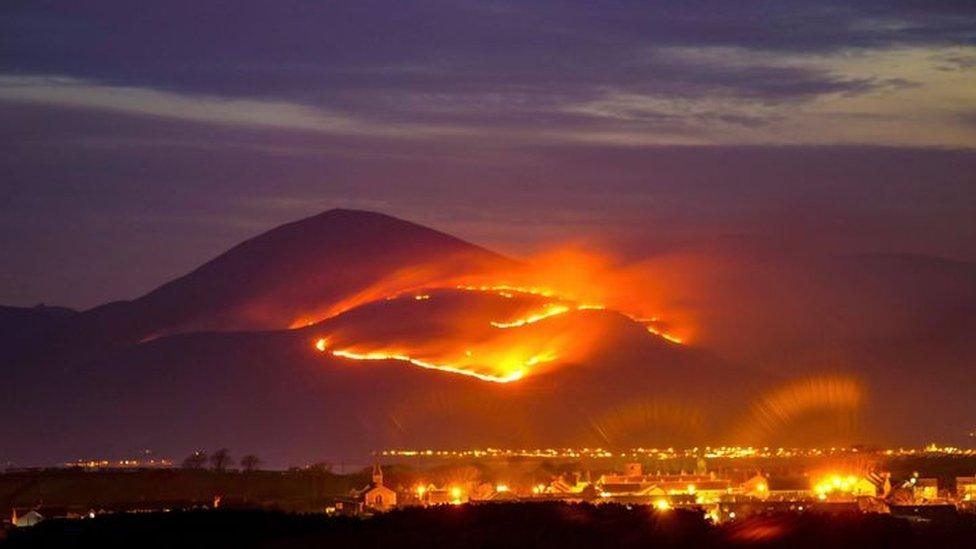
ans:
(294, 272)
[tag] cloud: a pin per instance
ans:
(71, 92)
(505, 74)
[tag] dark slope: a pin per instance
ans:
(273, 394)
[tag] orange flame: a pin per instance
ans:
(515, 373)
(550, 311)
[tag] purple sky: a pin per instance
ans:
(141, 140)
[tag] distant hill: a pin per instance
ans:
(18, 324)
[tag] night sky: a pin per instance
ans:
(139, 140)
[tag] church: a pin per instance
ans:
(376, 496)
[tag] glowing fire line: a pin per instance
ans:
(664, 335)
(507, 290)
(552, 310)
(514, 376)
(503, 289)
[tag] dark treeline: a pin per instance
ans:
(299, 490)
(536, 525)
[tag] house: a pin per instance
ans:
(881, 482)
(344, 506)
(966, 488)
(756, 486)
(838, 486)
(926, 489)
(633, 481)
(376, 496)
(30, 518)
(562, 486)
(633, 486)
(448, 495)
(789, 488)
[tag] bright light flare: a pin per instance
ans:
(456, 494)
(838, 483)
(777, 409)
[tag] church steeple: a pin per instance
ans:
(377, 474)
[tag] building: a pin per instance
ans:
(376, 496)
(838, 486)
(633, 486)
(344, 506)
(881, 482)
(30, 518)
(562, 487)
(789, 488)
(756, 486)
(966, 488)
(449, 495)
(926, 489)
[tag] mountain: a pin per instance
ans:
(349, 332)
(227, 355)
(294, 274)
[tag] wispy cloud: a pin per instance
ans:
(210, 109)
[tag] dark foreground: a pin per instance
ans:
(496, 525)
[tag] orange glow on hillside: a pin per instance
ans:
(490, 339)
(553, 310)
(469, 341)
(570, 276)
(588, 279)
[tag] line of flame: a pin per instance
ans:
(553, 311)
(664, 335)
(550, 311)
(514, 376)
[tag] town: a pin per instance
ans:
(722, 484)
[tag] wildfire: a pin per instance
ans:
(501, 334)
(477, 354)
(514, 375)
(665, 335)
(506, 290)
(554, 310)
(549, 311)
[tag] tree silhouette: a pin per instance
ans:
(196, 460)
(221, 460)
(250, 462)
